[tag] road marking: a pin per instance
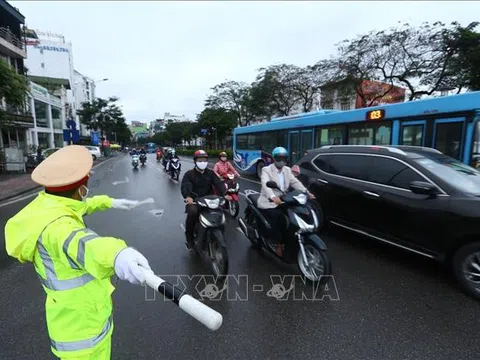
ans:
(156, 212)
(24, 197)
(120, 182)
(183, 227)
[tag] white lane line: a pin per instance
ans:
(183, 227)
(120, 182)
(15, 200)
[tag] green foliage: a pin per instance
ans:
(424, 59)
(105, 115)
(13, 88)
(218, 122)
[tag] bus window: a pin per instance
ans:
(360, 135)
(269, 141)
(475, 161)
(282, 139)
(306, 140)
(378, 134)
(382, 135)
(448, 138)
(329, 136)
(412, 135)
(241, 142)
(254, 141)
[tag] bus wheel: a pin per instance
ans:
(260, 166)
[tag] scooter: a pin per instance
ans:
(135, 160)
(209, 241)
(233, 188)
(303, 246)
(143, 159)
(174, 167)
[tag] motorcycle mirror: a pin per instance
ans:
(272, 185)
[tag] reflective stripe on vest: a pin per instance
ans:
(52, 282)
(83, 344)
(90, 234)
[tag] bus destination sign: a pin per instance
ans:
(376, 114)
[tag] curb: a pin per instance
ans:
(23, 192)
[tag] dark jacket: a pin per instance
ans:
(201, 184)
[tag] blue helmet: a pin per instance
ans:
(279, 151)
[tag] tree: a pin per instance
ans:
(276, 87)
(463, 70)
(218, 123)
(13, 89)
(414, 57)
(231, 96)
(104, 115)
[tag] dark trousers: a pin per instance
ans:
(278, 222)
(192, 218)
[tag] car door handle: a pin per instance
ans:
(369, 193)
(322, 181)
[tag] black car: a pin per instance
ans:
(415, 198)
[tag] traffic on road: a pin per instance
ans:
(398, 303)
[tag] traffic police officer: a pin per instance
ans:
(74, 264)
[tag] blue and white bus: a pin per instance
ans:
(449, 124)
(150, 148)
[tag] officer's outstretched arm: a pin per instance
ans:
(82, 248)
(98, 203)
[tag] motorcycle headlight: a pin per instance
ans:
(301, 199)
(213, 204)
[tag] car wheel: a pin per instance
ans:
(466, 268)
(94, 157)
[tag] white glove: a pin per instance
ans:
(128, 266)
(124, 204)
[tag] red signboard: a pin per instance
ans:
(373, 89)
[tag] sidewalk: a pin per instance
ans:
(12, 185)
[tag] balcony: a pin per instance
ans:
(11, 45)
(17, 117)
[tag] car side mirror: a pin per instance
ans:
(423, 188)
(272, 185)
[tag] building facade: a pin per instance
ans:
(84, 91)
(13, 52)
(49, 118)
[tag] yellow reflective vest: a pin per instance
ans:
(74, 265)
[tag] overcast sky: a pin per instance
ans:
(165, 56)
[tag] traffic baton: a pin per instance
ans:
(206, 315)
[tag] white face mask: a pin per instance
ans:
(87, 190)
(202, 165)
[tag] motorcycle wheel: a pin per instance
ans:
(320, 266)
(251, 232)
(234, 208)
(218, 256)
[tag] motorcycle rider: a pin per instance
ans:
(223, 166)
(201, 181)
(269, 198)
(172, 155)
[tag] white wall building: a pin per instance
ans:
(84, 90)
(50, 64)
(49, 118)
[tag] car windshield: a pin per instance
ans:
(453, 172)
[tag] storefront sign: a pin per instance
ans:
(51, 48)
(39, 90)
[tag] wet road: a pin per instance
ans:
(390, 304)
